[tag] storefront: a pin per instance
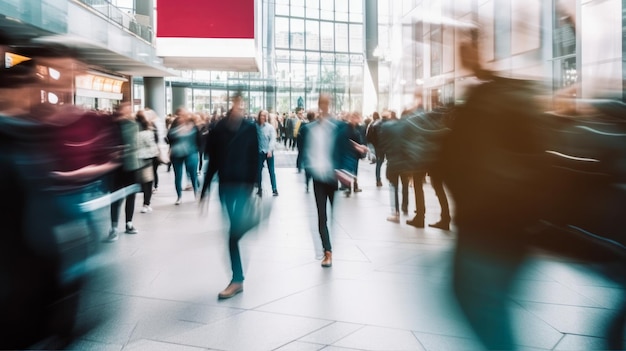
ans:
(99, 91)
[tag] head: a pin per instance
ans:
(355, 118)
(386, 115)
(237, 108)
(324, 104)
(310, 116)
(375, 116)
(262, 117)
(142, 119)
(300, 113)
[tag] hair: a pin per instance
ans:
(258, 116)
(310, 116)
(143, 121)
(375, 115)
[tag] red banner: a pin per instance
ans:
(205, 19)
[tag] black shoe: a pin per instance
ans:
(443, 225)
(275, 193)
(416, 222)
(379, 184)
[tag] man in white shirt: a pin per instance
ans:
(325, 143)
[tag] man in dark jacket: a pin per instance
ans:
(233, 150)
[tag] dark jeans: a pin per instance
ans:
(393, 189)
(437, 183)
(418, 192)
(236, 200)
(155, 167)
(380, 158)
(324, 192)
(270, 168)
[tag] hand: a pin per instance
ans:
(269, 154)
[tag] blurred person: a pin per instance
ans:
(267, 146)
(392, 148)
(147, 152)
(371, 136)
(423, 135)
(290, 128)
(374, 135)
(52, 159)
(325, 144)
(127, 174)
(157, 161)
(184, 140)
(358, 152)
(233, 149)
(494, 165)
(310, 117)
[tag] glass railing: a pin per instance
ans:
(125, 20)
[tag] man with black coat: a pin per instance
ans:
(233, 150)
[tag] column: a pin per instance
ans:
(154, 91)
(371, 42)
(179, 98)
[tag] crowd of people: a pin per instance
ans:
(490, 153)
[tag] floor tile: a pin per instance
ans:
(380, 339)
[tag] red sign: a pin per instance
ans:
(205, 19)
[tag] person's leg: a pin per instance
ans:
(259, 181)
(129, 212)
(320, 190)
(380, 158)
(437, 184)
(177, 165)
(420, 202)
(404, 179)
(482, 280)
(155, 168)
(235, 199)
(270, 168)
(393, 196)
(146, 188)
(191, 164)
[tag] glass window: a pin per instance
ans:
(565, 28)
(435, 50)
(327, 9)
(297, 8)
(281, 32)
(282, 71)
(327, 36)
(341, 10)
(356, 11)
(312, 9)
(356, 38)
(341, 37)
(312, 35)
(282, 7)
(297, 34)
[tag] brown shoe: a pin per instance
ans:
(328, 259)
(443, 225)
(231, 290)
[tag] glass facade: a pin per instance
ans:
(309, 47)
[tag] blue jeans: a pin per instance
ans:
(270, 167)
(191, 164)
(236, 200)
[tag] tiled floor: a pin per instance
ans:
(388, 289)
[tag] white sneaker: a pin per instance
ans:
(177, 202)
(112, 236)
(146, 209)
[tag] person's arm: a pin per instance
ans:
(211, 150)
(272, 145)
